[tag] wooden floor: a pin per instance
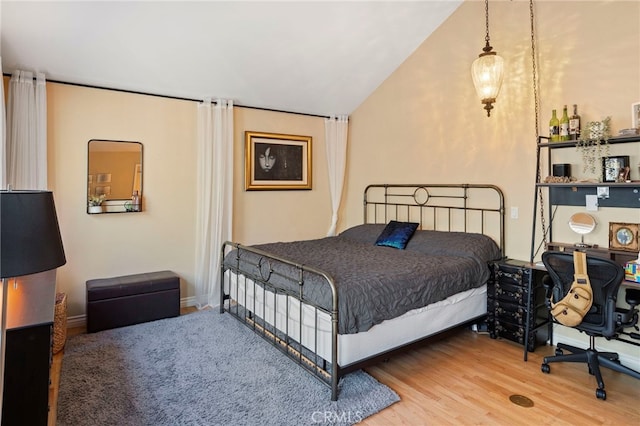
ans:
(467, 379)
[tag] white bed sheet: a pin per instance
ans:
(407, 328)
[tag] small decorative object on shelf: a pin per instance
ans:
(594, 144)
(628, 132)
(615, 169)
(623, 236)
(635, 115)
(95, 203)
(135, 202)
(559, 179)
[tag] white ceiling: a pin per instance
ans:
(311, 57)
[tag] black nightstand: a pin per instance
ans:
(516, 307)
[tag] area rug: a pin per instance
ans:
(203, 368)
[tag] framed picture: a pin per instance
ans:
(275, 161)
(623, 236)
(103, 178)
(635, 115)
(612, 168)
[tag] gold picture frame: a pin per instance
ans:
(623, 236)
(275, 161)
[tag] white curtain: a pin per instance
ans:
(26, 132)
(336, 130)
(214, 196)
(3, 136)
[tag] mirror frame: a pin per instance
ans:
(116, 205)
(582, 227)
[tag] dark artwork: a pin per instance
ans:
(278, 162)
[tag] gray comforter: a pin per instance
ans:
(378, 283)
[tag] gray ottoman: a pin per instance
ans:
(132, 299)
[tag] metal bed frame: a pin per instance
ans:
(436, 207)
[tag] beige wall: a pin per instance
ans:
(424, 124)
(163, 235)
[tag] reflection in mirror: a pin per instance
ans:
(582, 223)
(114, 181)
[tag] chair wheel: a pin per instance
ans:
(559, 352)
(601, 394)
(545, 368)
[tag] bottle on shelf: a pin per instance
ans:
(574, 124)
(564, 125)
(554, 127)
(135, 201)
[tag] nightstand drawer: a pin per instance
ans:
(510, 312)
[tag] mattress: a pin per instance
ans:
(282, 312)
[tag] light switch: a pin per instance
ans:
(514, 212)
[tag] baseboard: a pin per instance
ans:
(81, 320)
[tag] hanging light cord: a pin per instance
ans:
(487, 47)
(534, 76)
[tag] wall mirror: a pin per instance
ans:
(114, 181)
(582, 224)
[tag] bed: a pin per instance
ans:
(335, 304)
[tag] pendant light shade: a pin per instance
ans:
(487, 71)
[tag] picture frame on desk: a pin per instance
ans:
(624, 236)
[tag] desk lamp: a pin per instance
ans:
(30, 243)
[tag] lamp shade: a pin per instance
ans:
(487, 73)
(30, 240)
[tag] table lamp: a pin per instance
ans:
(30, 243)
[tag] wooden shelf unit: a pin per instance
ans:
(621, 194)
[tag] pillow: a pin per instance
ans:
(449, 243)
(396, 234)
(367, 233)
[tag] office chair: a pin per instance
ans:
(602, 320)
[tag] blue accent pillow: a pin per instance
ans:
(396, 234)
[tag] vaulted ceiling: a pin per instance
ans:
(321, 57)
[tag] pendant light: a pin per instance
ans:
(487, 70)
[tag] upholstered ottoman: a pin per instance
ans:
(132, 299)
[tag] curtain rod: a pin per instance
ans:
(179, 98)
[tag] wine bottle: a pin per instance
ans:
(564, 125)
(554, 127)
(574, 124)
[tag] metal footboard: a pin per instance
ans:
(255, 279)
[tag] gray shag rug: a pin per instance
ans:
(203, 368)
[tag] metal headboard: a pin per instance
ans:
(475, 208)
